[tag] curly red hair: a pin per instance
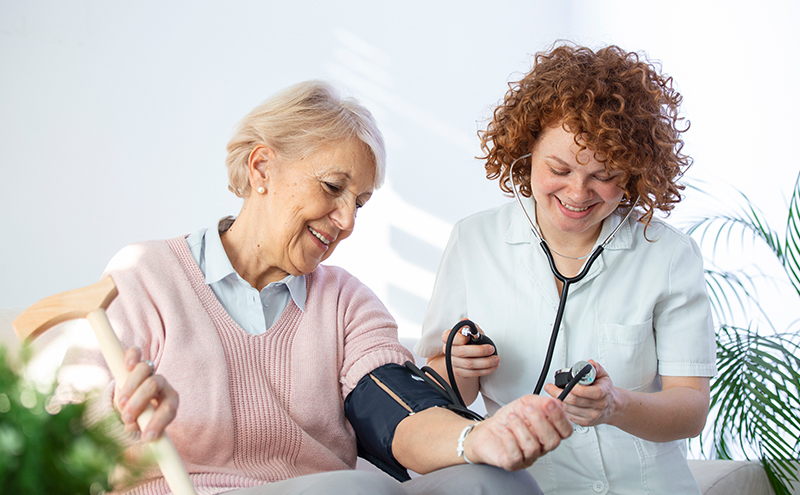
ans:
(617, 104)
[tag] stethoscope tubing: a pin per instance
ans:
(562, 303)
(567, 281)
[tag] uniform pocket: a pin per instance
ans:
(628, 353)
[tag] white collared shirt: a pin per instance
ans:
(254, 311)
(641, 311)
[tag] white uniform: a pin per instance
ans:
(642, 312)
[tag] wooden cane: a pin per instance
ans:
(91, 303)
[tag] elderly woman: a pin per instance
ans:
(276, 356)
(592, 141)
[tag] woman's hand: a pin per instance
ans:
(591, 405)
(143, 387)
(678, 411)
(519, 433)
(471, 361)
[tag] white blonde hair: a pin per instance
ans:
(298, 122)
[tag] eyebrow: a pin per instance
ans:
(346, 175)
(559, 160)
(562, 162)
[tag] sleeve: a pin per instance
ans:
(448, 302)
(379, 403)
(370, 335)
(685, 340)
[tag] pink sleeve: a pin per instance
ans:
(370, 335)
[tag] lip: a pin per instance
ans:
(572, 213)
(314, 233)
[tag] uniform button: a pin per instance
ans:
(598, 486)
(581, 429)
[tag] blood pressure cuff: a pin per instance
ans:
(380, 401)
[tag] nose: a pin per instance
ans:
(344, 215)
(577, 190)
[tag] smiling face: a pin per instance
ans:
(309, 205)
(573, 192)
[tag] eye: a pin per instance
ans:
(331, 187)
(558, 172)
(362, 200)
(606, 178)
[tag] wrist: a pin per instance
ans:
(620, 398)
(460, 446)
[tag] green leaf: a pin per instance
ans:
(792, 249)
(50, 453)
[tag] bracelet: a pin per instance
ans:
(461, 438)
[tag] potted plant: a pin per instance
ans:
(49, 450)
(755, 399)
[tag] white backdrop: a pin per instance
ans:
(114, 116)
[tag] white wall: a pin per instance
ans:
(114, 116)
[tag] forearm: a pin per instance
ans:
(514, 438)
(468, 387)
(672, 414)
(427, 441)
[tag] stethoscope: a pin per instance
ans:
(468, 328)
(567, 281)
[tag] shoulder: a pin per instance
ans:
(489, 216)
(327, 277)
(138, 253)
(147, 260)
(331, 274)
(332, 289)
(661, 235)
(494, 221)
(662, 244)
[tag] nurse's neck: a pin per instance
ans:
(570, 252)
(568, 245)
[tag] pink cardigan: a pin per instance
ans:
(253, 408)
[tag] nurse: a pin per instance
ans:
(604, 136)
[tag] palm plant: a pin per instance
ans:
(755, 399)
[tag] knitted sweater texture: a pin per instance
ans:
(253, 408)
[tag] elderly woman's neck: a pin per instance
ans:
(247, 253)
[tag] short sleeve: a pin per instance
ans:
(685, 340)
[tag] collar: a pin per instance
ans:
(519, 230)
(218, 266)
(297, 289)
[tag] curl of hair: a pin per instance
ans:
(618, 105)
(298, 122)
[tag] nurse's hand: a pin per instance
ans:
(471, 361)
(591, 405)
(144, 387)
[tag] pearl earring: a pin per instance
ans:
(261, 190)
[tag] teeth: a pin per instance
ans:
(572, 208)
(319, 236)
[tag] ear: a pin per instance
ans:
(258, 165)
